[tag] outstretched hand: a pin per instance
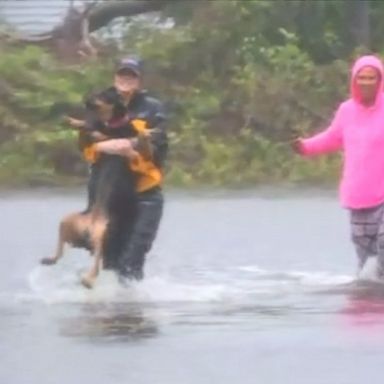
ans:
(297, 146)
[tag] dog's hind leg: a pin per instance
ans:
(66, 227)
(98, 234)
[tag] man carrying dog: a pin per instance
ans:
(130, 239)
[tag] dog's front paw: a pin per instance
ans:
(47, 261)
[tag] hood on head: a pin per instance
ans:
(366, 61)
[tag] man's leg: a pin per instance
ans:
(142, 235)
(112, 244)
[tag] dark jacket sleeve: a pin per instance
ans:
(157, 122)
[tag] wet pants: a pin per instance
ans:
(367, 230)
(131, 234)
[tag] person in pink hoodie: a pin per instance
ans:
(357, 130)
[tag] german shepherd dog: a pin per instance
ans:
(114, 196)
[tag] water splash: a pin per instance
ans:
(242, 284)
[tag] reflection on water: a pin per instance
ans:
(109, 322)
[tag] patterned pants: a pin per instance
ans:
(367, 227)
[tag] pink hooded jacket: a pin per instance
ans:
(358, 131)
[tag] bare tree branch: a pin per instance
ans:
(71, 37)
(105, 13)
(86, 47)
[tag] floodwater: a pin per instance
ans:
(241, 287)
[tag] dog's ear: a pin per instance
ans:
(104, 97)
(90, 104)
(89, 101)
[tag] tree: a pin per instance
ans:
(359, 22)
(71, 39)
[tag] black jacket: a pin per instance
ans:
(144, 107)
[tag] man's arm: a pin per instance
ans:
(157, 123)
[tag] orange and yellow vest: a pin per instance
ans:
(149, 176)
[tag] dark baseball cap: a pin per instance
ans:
(129, 64)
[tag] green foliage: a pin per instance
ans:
(239, 99)
(241, 77)
(34, 143)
